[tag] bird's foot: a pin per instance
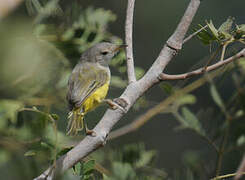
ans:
(90, 132)
(117, 103)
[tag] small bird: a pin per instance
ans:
(88, 84)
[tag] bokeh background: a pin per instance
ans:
(34, 72)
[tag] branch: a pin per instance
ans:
(129, 41)
(202, 70)
(161, 107)
(132, 92)
(227, 176)
(7, 6)
(241, 169)
(175, 41)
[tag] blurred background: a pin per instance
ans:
(197, 136)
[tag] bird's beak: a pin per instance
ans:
(120, 47)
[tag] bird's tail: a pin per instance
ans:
(75, 123)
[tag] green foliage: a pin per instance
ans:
(167, 88)
(189, 120)
(121, 171)
(84, 170)
(225, 34)
(216, 97)
(8, 111)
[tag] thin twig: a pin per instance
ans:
(227, 176)
(129, 41)
(223, 52)
(221, 152)
(201, 70)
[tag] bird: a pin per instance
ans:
(88, 84)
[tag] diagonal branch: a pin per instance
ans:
(175, 41)
(241, 169)
(132, 92)
(199, 71)
(129, 41)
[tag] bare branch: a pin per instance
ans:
(6, 6)
(199, 71)
(241, 169)
(129, 41)
(132, 92)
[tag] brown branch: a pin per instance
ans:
(199, 71)
(241, 169)
(129, 41)
(132, 92)
(6, 6)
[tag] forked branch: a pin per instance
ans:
(133, 91)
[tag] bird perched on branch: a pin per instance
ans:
(89, 83)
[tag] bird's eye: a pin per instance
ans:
(104, 52)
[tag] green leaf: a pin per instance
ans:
(123, 171)
(8, 110)
(239, 113)
(47, 145)
(241, 27)
(241, 140)
(145, 158)
(88, 167)
(213, 29)
(186, 99)
(216, 97)
(30, 153)
(63, 151)
(192, 120)
(168, 88)
(226, 26)
(204, 36)
(55, 116)
(139, 72)
(189, 120)
(77, 168)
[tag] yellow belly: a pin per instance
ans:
(95, 99)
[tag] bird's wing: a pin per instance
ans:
(84, 80)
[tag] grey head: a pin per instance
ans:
(101, 53)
